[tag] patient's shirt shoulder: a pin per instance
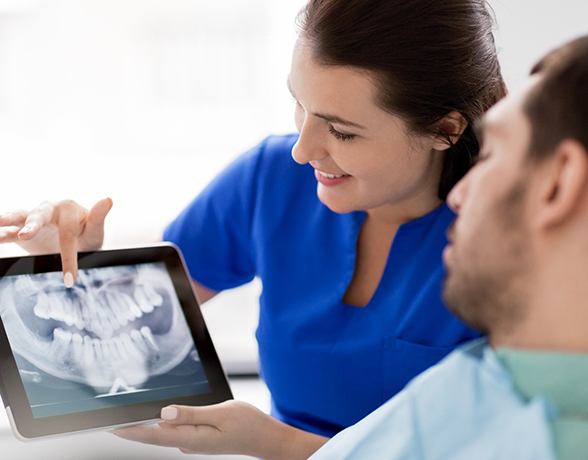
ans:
(465, 407)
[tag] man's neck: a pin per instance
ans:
(556, 332)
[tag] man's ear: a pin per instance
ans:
(563, 182)
(450, 126)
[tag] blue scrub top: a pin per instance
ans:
(326, 364)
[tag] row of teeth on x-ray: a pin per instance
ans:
(126, 346)
(102, 314)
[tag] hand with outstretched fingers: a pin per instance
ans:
(65, 227)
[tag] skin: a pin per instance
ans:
(551, 204)
(534, 298)
(65, 227)
(391, 173)
(394, 176)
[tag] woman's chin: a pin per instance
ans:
(337, 206)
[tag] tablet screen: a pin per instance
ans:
(117, 337)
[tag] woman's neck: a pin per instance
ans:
(395, 214)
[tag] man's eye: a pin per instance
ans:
(480, 158)
(339, 135)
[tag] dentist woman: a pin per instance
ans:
(344, 222)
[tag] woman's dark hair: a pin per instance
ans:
(429, 58)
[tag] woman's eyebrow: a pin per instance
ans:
(338, 120)
(330, 118)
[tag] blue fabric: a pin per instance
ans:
(464, 408)
(327, 364)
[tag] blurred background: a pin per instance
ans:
(146, 100)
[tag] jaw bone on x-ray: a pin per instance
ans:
(116, 328)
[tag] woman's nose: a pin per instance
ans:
(310, 145)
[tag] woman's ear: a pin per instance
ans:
(563, 182)
(451, 127)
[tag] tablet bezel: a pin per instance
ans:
(12, 389)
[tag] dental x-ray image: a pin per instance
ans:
(118, 336)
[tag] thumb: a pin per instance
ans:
(188, 415)
(99, 211)
(94, 229)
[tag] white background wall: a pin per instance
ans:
(145, 100)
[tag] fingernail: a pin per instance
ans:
(26, 229)
(68, 280)
(169, 413)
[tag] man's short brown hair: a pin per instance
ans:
(558, 105)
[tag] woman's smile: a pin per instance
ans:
(329, 179)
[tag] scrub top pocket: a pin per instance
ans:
(402, 359)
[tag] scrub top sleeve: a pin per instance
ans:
(214, 232)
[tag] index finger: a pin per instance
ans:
(68, 244)
(68, 218)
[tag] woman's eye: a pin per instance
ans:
(339, 135)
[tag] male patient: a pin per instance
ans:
(517, 270)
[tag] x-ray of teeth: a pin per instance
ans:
(114, 330)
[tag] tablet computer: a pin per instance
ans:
(126, 340)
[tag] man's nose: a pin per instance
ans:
(457, 194)
(310, 145)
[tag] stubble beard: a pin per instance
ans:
(485, 285)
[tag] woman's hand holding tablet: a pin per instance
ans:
(124, 341)
(232, 427)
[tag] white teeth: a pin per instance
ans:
(125, 349)
(77, 339)
(146, 332)
(139, 341)
(132, 350)
(41, 308)
(62, 335)
(119, 310)
(90, 315)
(85, 307)
(56, 306)
(111, 320)
(77, 348)
(79, 318)
(109, 316)
(331, 176)
(121, 305)
(121, 353)
(61, 342)
(109, 350)
(93, 324)
(68, 312)
(103, 314)
(132, 306)
(147, 307)
(89, 355)
(153, 297)
(102, 322)
(97, 344)
(142, 299)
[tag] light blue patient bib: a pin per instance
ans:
(464, 408)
